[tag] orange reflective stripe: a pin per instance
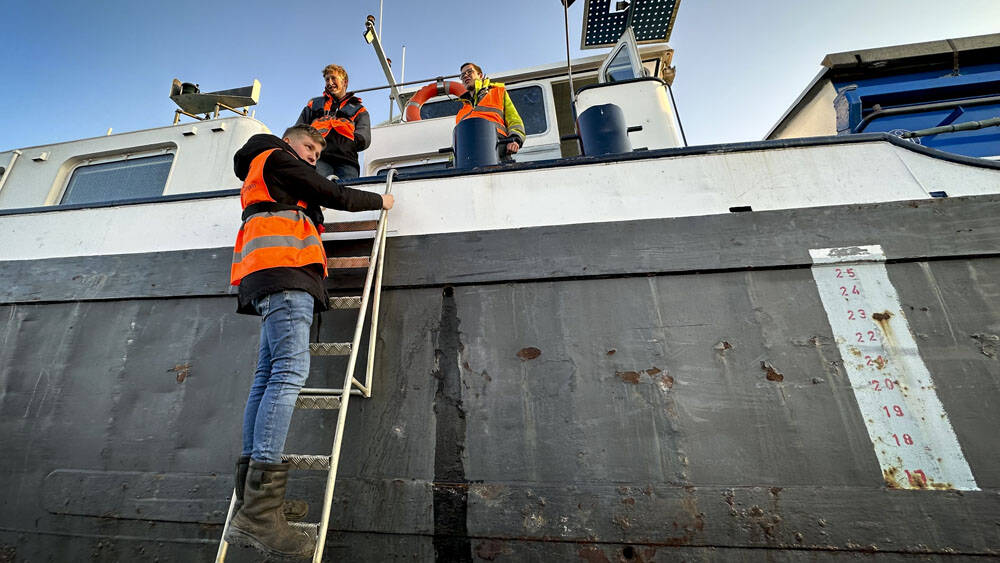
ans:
(341, 125)
(324, 124)
(254, 188)
(345, 127)
(275, 240)
(267, 257)
(330, 122)
(489, 108)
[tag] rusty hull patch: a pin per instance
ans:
(628, 376)
(593, 554)
(529, 353)
(722, 346)
(693, 525)
(655, 374)
(770, 373)
(896, 478)
(182, 371)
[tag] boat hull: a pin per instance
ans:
(601, 392)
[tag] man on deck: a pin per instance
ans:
(279, 265)
(344, 123)
(489, 100)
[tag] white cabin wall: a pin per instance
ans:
(815, 117)
(414, 142)
(644, 102)
(202, 160)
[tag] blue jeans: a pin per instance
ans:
(282, 369)
(343, 171)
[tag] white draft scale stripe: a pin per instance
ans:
(913, 438)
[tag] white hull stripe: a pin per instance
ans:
(914, 442)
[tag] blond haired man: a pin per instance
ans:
(344, 123)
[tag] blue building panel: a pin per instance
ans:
(921, 100)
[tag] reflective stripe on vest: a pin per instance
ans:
(273, 239)
(490, 107)
(344, 126)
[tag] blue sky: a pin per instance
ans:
(73, 69)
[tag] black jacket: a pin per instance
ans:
(340, 149)
(289, 180)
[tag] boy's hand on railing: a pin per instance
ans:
(388, 201)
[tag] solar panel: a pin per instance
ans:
(604, 21)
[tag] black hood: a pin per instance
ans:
(253, 147)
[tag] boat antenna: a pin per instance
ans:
(372, 38)
(569, 67)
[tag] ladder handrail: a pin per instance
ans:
(338, 438)
(372, 334)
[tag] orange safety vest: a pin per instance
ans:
(273, 239)
(490, 107)
(329, 120)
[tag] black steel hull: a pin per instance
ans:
(586, 392)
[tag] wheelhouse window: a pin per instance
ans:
(442, 108)
(621, 67)
(624, 62)
(443, 165)
(530, 106)
(528, 100)
(131, 178)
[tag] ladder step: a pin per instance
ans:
(329, 402)
(311, 528)
(350, 226)
(330, 348)
(348, 262)
(353, 302)
(303, 461)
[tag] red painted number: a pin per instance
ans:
(849, 272)
(860, 314)
(878, 361)
(870, 334)
(895, 409)
(854, 290)
(907, 439)
(889, 385)
(916, 477)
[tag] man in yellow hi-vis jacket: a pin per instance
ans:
(489, 100)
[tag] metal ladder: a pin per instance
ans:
(319, 398)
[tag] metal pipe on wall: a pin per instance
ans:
(10, 165)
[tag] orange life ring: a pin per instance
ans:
(433, 89)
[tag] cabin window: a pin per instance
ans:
(443, 108)
(528, 100)
(530, 106)
(443, 165)
(621, 67)
(131, 178)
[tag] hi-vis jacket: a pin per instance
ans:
(278, 246)
(490, 101)
(272, 235)
(345, 124)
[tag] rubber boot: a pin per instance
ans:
(261, 523)
(295, 510)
